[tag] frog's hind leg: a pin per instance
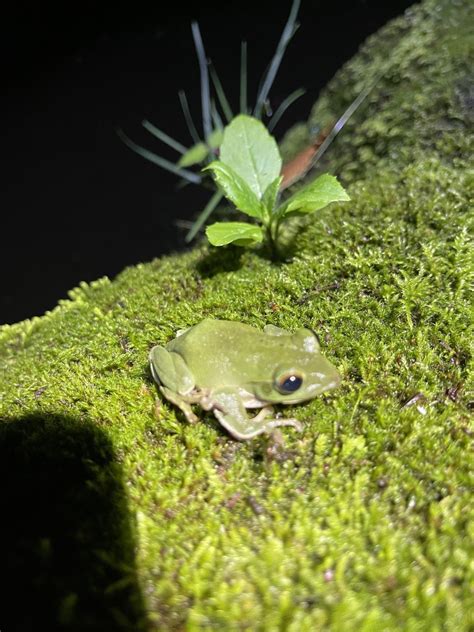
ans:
(174, 379)
(169, 369)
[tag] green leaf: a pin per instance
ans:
(200, 151)
(196, 154)
(236, 189)
(251, 152)
(271, 194)
(190, 176)
(214, 140)
(239, 233)
(158, 133)
(315, 196)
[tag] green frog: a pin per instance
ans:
(227, 367)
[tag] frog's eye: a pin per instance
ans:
(288, 382)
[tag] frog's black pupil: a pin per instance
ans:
(291, 384)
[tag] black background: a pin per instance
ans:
(76, 204)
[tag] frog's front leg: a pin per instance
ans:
(229, 409)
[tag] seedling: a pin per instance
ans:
(205, 149)
(248, 173)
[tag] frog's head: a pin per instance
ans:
(300, 373)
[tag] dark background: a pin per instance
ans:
(76, 204)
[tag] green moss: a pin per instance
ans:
(362, 521)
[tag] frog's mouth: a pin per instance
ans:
(309, 393)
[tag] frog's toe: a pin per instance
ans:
(277, 423)
(265, 411)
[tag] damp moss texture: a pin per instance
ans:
(117, 514)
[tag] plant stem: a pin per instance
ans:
(272, 236)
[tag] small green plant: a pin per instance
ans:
(216, 108)
(248, 173)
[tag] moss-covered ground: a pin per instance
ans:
(117, 514)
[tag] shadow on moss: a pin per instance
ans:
(66, 537)
(217, 260)
(229, 258)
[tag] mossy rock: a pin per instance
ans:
(119, 515)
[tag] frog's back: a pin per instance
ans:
(214, 335)
(221, 350)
